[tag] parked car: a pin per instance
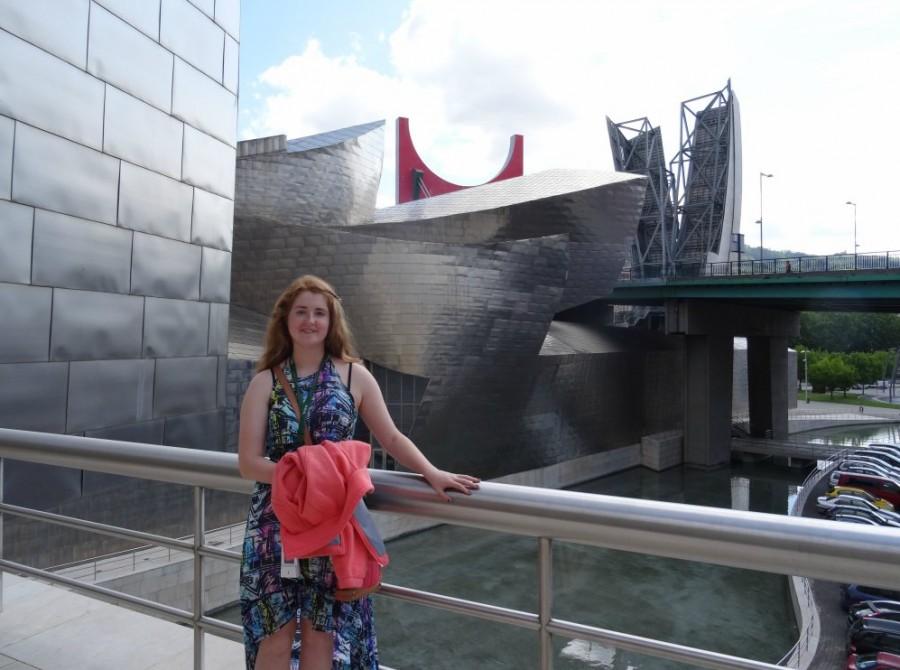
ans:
(872, 467)
(854, 593)
(867, 608)
(882, 487)
(850, 517)
(886, 445)
(892, 449)
(872, 635)
(828, 503)
(878, 517)
(880, 503)
(881, 660)
(874, 461)
(884, 455)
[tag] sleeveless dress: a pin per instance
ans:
(267, 601)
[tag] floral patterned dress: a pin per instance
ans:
(268, 602)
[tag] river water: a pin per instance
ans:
(722, 609)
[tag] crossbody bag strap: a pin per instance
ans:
(292, 397)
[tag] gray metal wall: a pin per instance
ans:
(117, 159)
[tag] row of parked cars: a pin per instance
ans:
(865, 489)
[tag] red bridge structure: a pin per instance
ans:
(415, 180)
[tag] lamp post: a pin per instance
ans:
(760, 222)
(855, 245)
(806, 374)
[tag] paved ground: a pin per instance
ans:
(50, 628)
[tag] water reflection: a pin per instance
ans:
(722, 609)
(856, 436)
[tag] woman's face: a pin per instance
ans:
(308, 320)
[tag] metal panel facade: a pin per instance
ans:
(33, 396)
(100, 270)
(165, 268)
(185, 30)
(142, 15)
(124, 114)
(127, 395)
(155, 204)
(75, 253)
(33, 94)
(185, 385)
(83, 182)
(16, 223)
(59, 26)
(208, 163)
(175, 328)
(7, 130)
(215, 280)
(26, 323)
(203, 103)
(122, 55)
(212, 220)
(90, 325)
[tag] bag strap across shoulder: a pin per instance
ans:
(292, 397)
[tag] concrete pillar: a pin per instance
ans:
(767, 369)
(707, 398)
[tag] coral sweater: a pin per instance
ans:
(317, 496)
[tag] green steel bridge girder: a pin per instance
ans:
(862, 291)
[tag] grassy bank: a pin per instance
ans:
(854, 399)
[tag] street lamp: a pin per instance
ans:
(760, 221)
(806, 373)
(855, 245)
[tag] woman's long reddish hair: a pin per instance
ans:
(279, 346)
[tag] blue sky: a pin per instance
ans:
(816, 80)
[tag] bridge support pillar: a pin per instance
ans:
(707, 399)
(767, 370)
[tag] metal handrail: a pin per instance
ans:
(751, 540)
(843, 262)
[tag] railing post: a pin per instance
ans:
(545, 600)
(199, 600)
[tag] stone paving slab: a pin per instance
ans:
(45, 627)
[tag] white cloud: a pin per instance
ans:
(816, 82)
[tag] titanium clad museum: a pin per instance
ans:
(130, 314)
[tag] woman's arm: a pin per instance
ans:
(375, 413)
(252, 439)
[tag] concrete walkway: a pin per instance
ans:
(46, 627)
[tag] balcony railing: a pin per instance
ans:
(879, 260)
(766, 542)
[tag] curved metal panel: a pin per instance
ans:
(212, 220)
(204, 103)
(165, 268)
(89, 325)
(83, 182)
(330, 179)
(59, 26)
(26, 323)
(126, 397)
(153, 203)
(142, 15)
(215, 275)
(32, 84)
(124, 56)
(185, 385)
(208, 163)
(16, 228)
(124, 115)
(190, 34)
(75, 253)
(7, 131)
(175, 328)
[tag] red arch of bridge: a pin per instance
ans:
(409, 163)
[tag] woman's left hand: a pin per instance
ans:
(442, 481)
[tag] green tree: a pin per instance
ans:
(846, 332)
(831, 373)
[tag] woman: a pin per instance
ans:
(308, 337)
